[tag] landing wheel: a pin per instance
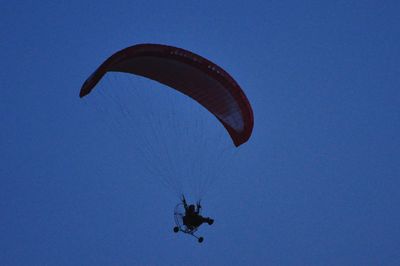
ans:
(200, 239)
(176, 229)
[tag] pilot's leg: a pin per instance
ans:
(209, 221)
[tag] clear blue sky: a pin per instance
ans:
(317, 184)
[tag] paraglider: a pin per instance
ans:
(188, 219)
(196, 77)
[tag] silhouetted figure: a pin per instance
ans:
(192, 218)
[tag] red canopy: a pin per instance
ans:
(191, 74)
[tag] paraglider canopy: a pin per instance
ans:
(189, 73)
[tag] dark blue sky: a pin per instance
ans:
(317, 184)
